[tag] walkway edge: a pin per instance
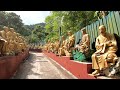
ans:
(61, 67)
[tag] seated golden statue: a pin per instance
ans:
(51, 47)
(14, 34)
(2, 41)
(47, 46)
(106, 47)
(25, 45)
(22, 47)
(69, 44)
(6, 44)
(61, 49)
(2, 34)
(19, 44)
(11, 47)
(9, 34)
(16, 46)
(56, 47)
(10, 37)
(84, 44)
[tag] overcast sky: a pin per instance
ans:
(32, 17)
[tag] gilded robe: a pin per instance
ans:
(105, 56)
(84, 44)
(61, 49)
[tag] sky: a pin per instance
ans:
(32, 17)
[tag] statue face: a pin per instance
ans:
(11, 29)
(6, 29)
(102, 30)
(82, 32)
(63, 38)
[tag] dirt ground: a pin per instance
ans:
(38, 66)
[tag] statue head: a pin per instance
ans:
(69, 33)
(48, 41)
(83, 30)
(12, 29)
(5, 29)
(18, 34)
(102, 29)
(63, 37)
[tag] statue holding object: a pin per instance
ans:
(106, 47)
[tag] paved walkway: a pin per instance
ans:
(38, 66)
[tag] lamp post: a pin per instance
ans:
(60, 29)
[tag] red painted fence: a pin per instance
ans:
(9, 64)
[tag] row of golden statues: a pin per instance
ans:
(64, 49)
(102, 59)
(35, 46)
(11, 42)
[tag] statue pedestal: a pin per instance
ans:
(10, 64)
(78, 69)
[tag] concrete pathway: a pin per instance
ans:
(38, 66)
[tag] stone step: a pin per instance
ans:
(105, 77)
(78, 69)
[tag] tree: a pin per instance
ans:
(71, 21)
(13, 20)
(101, 14)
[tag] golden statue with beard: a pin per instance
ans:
(106, 47)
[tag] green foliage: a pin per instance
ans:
(33, 39)
(42, 32)
(68, 21)
(33, 33)
(99, 14)
(13, 20)
(37, 33)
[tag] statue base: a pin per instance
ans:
(79, 69)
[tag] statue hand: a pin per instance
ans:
(108, 43)
(101, 44)
(101, 52)
(97, 52)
